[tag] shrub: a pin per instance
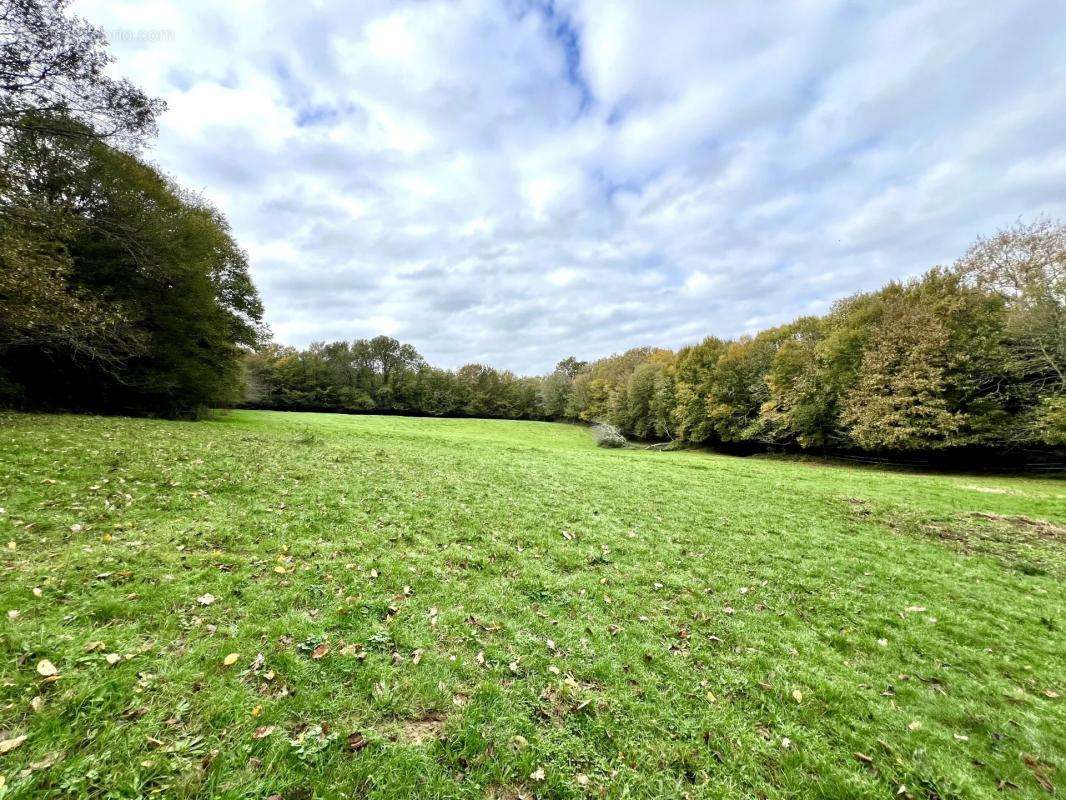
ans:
(608, 435)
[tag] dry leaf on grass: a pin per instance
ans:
(7, 745)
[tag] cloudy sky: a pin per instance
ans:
(513, 182)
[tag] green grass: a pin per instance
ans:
(510, 611)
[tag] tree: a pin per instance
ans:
(555, 392)
(53, 78)
(898, 402)
(693, 374)
(1026, 263)
(800, 407)
(570, 367)
(158, 263)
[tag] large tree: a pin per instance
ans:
(53, 78)
(1026, 263)
(899, 400)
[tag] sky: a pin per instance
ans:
(514, 182)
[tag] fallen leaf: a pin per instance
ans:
(14, 613)
(205, 599)
(231, 659)
(582, 779)
(320, 651)
(263, 731)
(112, 658)
(1038, 771)
(538, 774)
(356, 742)
(786, 743)
(7, 745)
(37, 703)
(865, 759)
(915, 725)
(797, 695)
(46, 669)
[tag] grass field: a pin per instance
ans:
(465, 608)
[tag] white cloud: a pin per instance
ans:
(515, 182)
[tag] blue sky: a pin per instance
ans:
(514, 182)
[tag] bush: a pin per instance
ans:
(608, 435)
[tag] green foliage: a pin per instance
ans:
(119, 291)
(898, 401)
(140, 300)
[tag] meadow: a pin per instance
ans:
(294, 606)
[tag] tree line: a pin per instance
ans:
(970, 356)
(120, 291)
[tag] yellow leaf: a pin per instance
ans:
(231, 659)
(7, 745)
(797, 695)
(46, 669)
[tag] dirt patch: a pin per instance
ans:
(859, 507)
(506, 793)
(418, 731)
(989, 489)
(1039, 528)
